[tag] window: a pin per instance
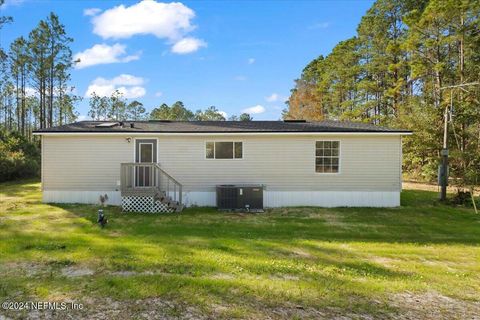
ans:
(224, 150)
(327, 156)
(146, 152)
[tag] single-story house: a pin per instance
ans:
(297, 163)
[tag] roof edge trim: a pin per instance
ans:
(132, 133)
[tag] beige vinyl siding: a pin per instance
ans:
(282, 163)
(87, 163)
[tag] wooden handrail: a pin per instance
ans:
(127, 179)
(165, 173)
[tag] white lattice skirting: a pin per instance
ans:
(144, 204)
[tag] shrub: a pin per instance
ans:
(19, 158)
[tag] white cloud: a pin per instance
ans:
(251, 61)
(132, 92)
(273, 97)
(31, 92)
(91, 11)
(83, 117)
(130, 86)
(158, 94)
(169, 21)
(121, 80)
(224, 114)
(188, 45)
(107, 90)
(103, 54)
(99, 90)
(164, 20)
(254, 110)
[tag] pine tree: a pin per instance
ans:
(209, 114)
(394, 73)
(18, 66)
(135, 111)
(176, 112)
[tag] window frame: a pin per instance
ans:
(140, 144)
(339, 157)
(154, 141)
(156, 147)
(232, 141)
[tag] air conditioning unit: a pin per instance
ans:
(240, 197)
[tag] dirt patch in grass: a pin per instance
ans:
(129, 273)
(125, 273)
(164, 309)
(432, 305)
(427, 306)
(329, 218)
(287, 277)
(413, 185)
(74, 271)
(301, 253)
(11, 268)
(384, 261)
(222, 276)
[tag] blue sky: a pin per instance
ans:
(235, 55)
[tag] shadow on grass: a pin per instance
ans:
(420, 220)
(19, 188)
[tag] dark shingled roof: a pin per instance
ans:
(221, 127)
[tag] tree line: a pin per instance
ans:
(34, 79)
(398, 71)
(34, 93)
(178, 111)
(116, 107)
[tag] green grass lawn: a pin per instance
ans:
(420, 260)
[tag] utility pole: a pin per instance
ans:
(443, 169)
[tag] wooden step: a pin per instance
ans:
(163, 198)
(159, 196)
